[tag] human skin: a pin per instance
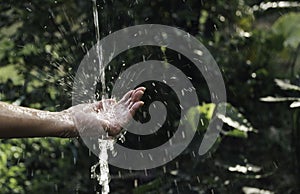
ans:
(20, 122)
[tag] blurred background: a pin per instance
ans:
(256, 45)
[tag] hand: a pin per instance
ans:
(95, 119)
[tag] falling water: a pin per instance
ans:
(110, 113)
(98, 47)
(103, 176)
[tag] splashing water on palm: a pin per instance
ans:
(109, 111)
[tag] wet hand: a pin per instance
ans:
(106, 116)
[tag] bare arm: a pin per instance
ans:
(16, 121)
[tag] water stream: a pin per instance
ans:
(102, 176)
(98, 47)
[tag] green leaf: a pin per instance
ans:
(288, 26)
(205, 110)
(233, 117)
(29, 49)
(151, 186)
(10, 72)
(237, 133)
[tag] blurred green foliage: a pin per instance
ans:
(43, 42)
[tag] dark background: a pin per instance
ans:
(43, 42)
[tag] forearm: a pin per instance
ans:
(18, 121)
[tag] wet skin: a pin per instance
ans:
(18, 122)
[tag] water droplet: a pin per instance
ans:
(202, 122)
(151, 158)
(135, 183)
(28, 9)
(164, 169)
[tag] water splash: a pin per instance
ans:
(103, 176)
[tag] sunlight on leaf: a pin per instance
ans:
(253, 190)
(295, 104)
(206, 112)
(234, 118)
(240, 126)
(286, 85)
(278, 99)
(244, 169)
(10, 72)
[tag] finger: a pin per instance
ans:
(135, 107)
(137, 97)
(127, 103)
(126, 96)
(140, 88)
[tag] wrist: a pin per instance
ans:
(67, 127)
